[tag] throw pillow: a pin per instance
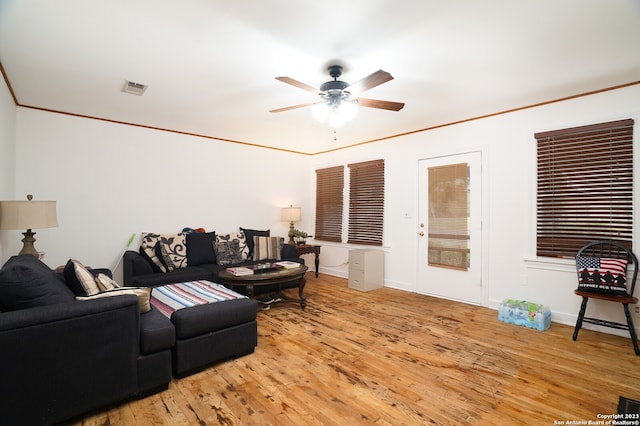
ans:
(162, 252)
(143, 294)
(249, 234)
(79, 279)
(174, 245)
(200, 248)
(602, 275)
(266, 248)
(228, 252)
(240, 238)
(105, 283)
(26, 282)
(148, 242)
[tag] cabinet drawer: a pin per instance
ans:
(356, 260)
(356, 279)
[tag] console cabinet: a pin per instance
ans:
(366, 269)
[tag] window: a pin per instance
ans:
(449, 216)
(585, 187)
(329, 194)
(365, 202)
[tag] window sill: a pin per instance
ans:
(551, 264)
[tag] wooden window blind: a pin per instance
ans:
(366, 202)
(329, 203)
(585, 187)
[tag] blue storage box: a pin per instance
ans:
(527, 314)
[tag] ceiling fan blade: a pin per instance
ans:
(292, 107)
(369, 82)
(299, 85)
(375, 103)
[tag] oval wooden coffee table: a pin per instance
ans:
(280, 276)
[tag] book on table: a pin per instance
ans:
(240, 270)
(287, 264)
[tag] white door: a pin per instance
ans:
(449, 227)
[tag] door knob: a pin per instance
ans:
(421, 233)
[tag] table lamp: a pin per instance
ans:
(291, 214)
(28, 215)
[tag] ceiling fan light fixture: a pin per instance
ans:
(336, 120)
(348, 110)
(336, 110)
(321, 111)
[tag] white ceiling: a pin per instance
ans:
(211, 64)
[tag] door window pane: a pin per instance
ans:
(449, 230)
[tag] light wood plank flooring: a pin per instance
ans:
(390, 357)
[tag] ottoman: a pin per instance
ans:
(212, 323)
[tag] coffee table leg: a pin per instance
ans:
(303, 299)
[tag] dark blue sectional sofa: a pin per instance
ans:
(61, 357)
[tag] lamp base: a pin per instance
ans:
(28, 247)
(291, 240)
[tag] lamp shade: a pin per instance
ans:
(28, 214)
(291, 214)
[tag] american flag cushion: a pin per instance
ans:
(602, 274)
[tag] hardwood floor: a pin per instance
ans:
(390, 357)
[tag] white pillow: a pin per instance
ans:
(143, 294)
(85, 277)
(105, 283)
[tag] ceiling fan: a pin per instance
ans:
(337, 103)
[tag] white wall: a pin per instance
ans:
(510, 269)
(7, 152)
(112, 180)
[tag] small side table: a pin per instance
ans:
(304, 249)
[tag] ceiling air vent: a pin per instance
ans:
(134, 88)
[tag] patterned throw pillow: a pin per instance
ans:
(228, 252)
(602, 275)
(236, 236)
(166, 251)
(266, 248)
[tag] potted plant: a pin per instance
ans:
(300, 237)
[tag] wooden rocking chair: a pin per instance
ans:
(604, 269)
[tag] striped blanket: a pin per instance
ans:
(171, 297)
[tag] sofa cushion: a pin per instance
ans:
(79, 279)
(249, 234)
(266, 248)
(26, 282)
(142, 293)
(200, 248)
(173, 244)
(235, 236)
(156, 332)
(228, 252)
(176, 276)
